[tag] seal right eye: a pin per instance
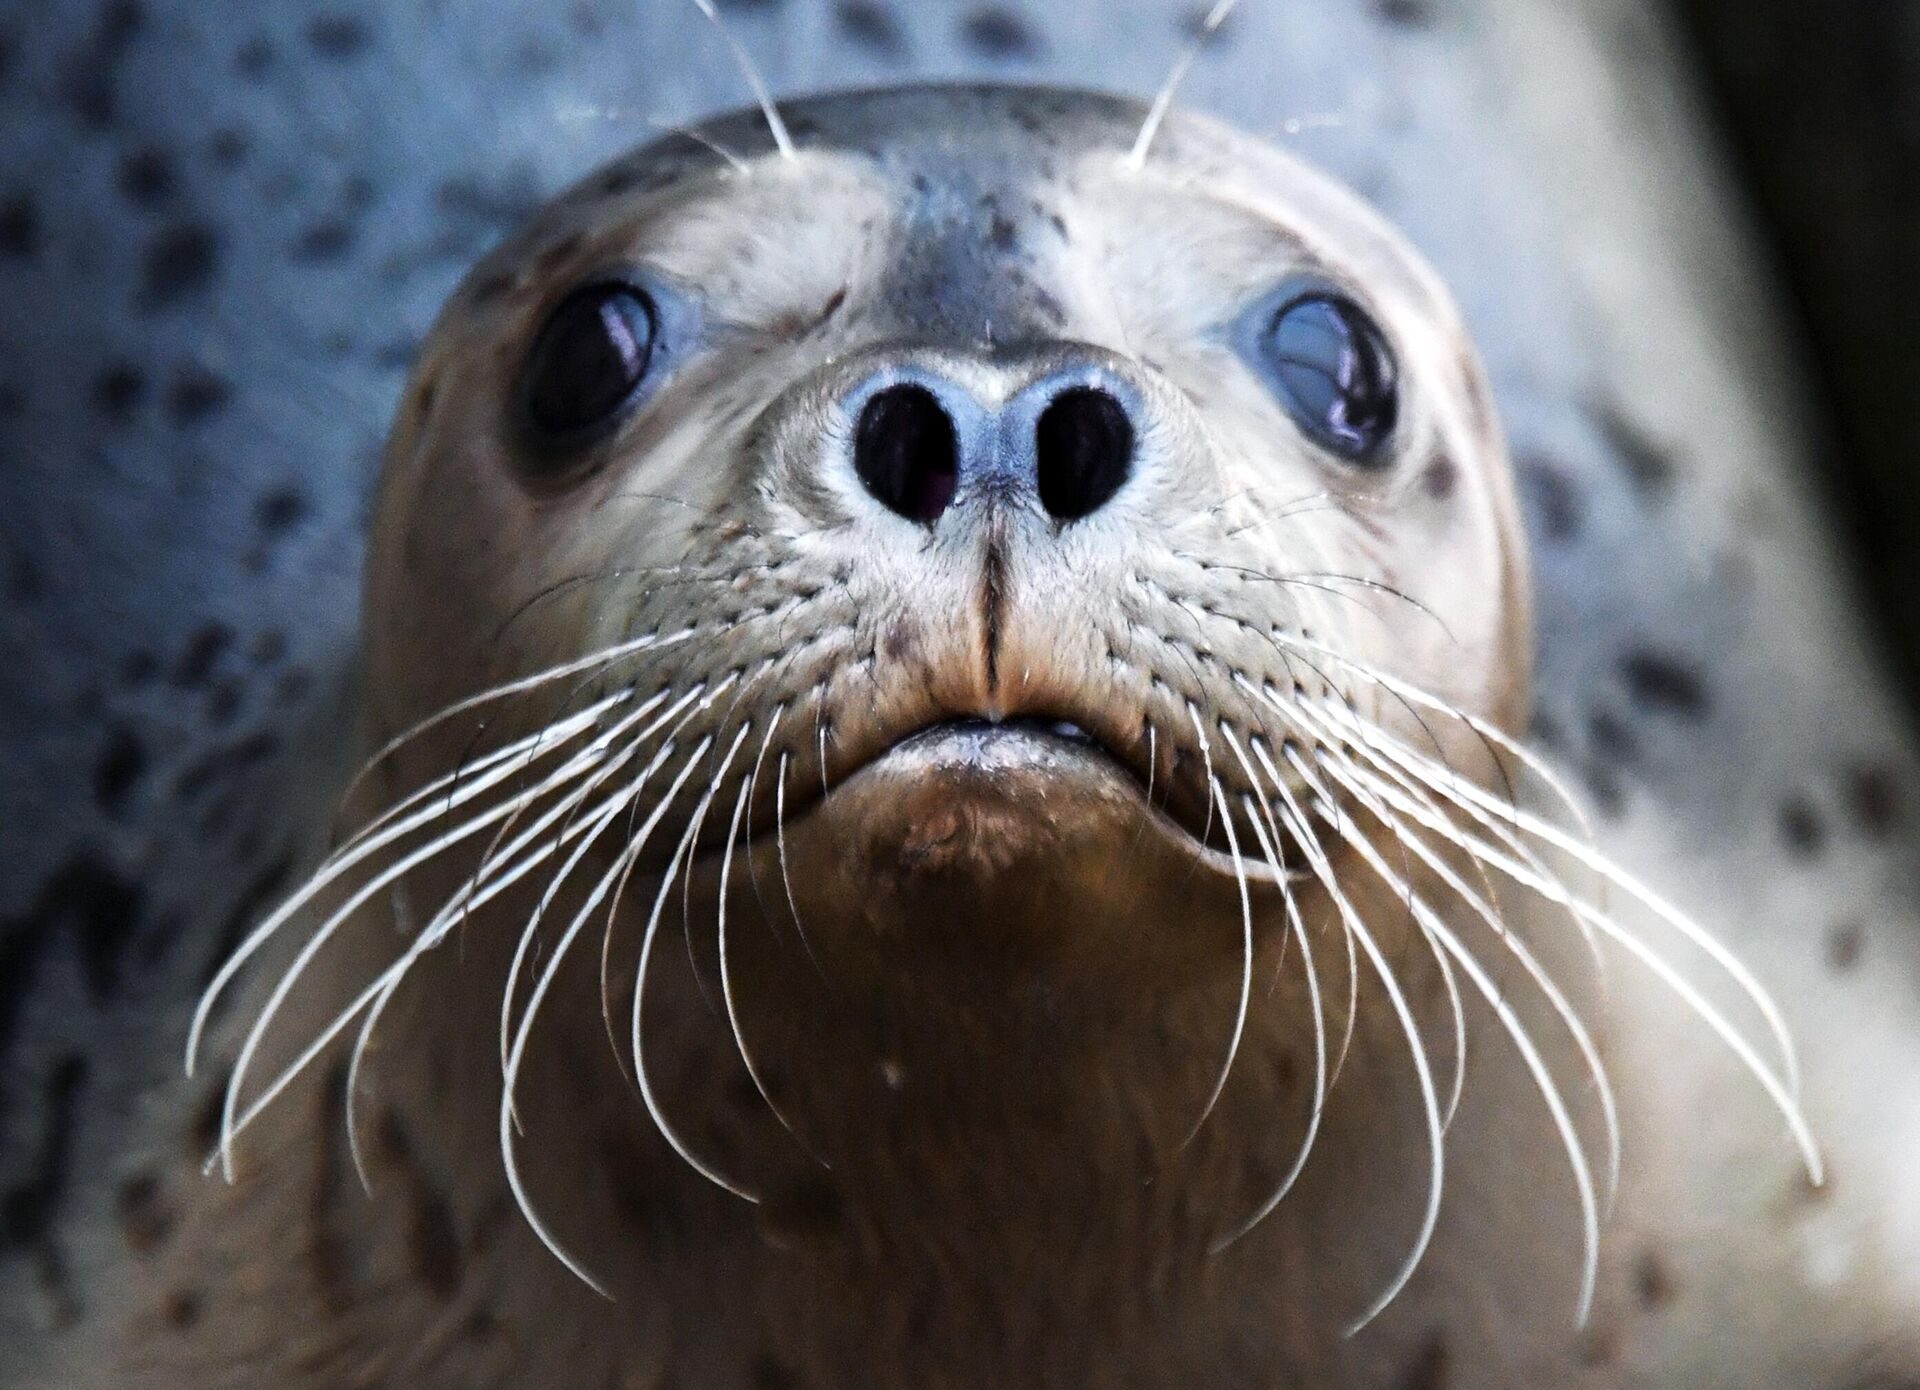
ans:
(591, 356)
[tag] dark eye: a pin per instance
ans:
(591, 356)
(1335, 374)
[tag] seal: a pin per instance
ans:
(942, 688)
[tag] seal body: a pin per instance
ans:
(940, 704)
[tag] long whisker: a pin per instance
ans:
(654, 1109)
(1459, 789)
(776, 126)
(1530, 963)
(1515, 1029)
(1553, 891)
(726, 975)
(550, 973)
(1322, 871)
(1246, 921)
(1163, 99)
(1267, 847)
(701, 698)
(443, 921)
(1303, 834)
(484, 775)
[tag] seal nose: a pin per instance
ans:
(1083, 451)
(907, 452)
(1065, 440)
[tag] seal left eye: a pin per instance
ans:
(591, 356)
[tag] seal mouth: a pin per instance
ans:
(987, 756)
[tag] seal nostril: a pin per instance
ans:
(1084, 451)
(905, 451)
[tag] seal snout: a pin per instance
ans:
(1062, 441)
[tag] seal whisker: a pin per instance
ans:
(580, 764)
(726, 976)
(1219, 798)
(435, 930)
(1303, 834)
(606, 656)
(1515, 1028)
(511, 1074)
(1483, 908)
(775, 124)
(1322, 871)
(1554, 891)
(1461, 790)
(393, 825)
(1163, 99)
(697, 696)
(648, 935)
(1268, 847)
(1457, 1083)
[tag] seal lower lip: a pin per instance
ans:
(992, 730)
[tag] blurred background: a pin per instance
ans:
(223, 229)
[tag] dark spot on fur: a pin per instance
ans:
(873, 26)
(1553, 499)
(119, 770)
(19, 228)
(255, 57)
(228, 147)
(1192, 22)
(28, 1212)
(93, 72)
(178, 262)
(146, 1218)
(1002, 235)
(138, 669)
(1873, 800)
(202, 653)
(337, 35)
(181, 1309)
(1441, 477)
(117, 391)
(1652, 1281)
(86, 903)
(281, 509)
(999, 34)
(1613, 738)
(325, 240)
(269, 649)
(197, 394)
(1430, 1369)
(1846, 941)
(1801, 828)
(1649, 466)
(1411, 14)
(1664, 682)
(146, 176)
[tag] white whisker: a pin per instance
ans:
(1268, 847)
(1515, 1029)
(775, 125)
(1163, 99)
(1246, 921)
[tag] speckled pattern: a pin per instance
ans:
(223, 228)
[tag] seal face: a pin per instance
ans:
(986, 593)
